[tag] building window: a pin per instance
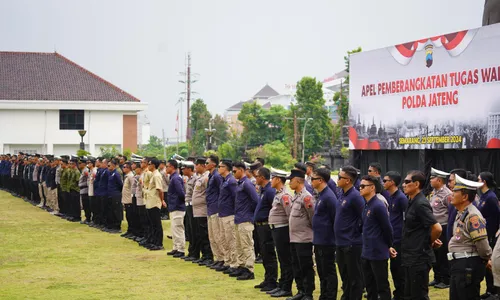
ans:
(71, 119)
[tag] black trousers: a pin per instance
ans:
(59, 197)
(135, 225)
(105, 208)
(489, 276)
(256, 244)
(268, 254)
(75, 210)
(164, 210)
(191, 231)
(156, 227)
(86, 207)
(203, 243)
(375, 273)
(327, 272)
(143, 220)
(302, 264)
(93, 201)
(440, 267)
(63, 203)
(116, 212)
(349, 263)
(129, 215)
(101, 200)
(34, 191)
(397, 274)
(466, 277)
(281, 238)
(416, 281)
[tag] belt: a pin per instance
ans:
(188, 203)
(460, 255)
(274, 226)
(261, 223)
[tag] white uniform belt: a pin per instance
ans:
(188, 203)
(277, 225)
(460, 255)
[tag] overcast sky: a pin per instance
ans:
(237, 46)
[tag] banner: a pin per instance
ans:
(436, 93)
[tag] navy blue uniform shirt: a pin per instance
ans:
(115, 184)
(308, 187)
(176, 194)
(489, 208)
(214, 182)
(377, 231)
(398, 203)
(227, 196)
(324, 218)
(246, 200)
(348, 221)
(102, 186)
(264, 204)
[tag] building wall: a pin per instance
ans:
(39, 130)
(130, 132)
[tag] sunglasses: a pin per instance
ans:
(234, 171)
(221, 166)
(109, 166)
(362, 186)
(340, 177)
(369, 171)
(315, 178)
(385, 180)
(408, 181)
(207, 163)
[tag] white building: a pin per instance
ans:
(143, 130)
(45, 99)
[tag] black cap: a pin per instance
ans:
(310, 164)
(296, 173)
(201, 160)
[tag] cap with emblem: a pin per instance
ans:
(461, 183)
(296, 173)
(310, 164)
(255, 166)
(247, 165)
(438, 173)
(278, 173)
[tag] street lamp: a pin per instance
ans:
(209, 131)
(303, 138)
(82, 134)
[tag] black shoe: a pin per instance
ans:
(433, 283)
(222, 268)
(169, 237)
(307, 298)
(229, 271)
(125, 234)
(114, 231)
(441, 286)
(173, 252)
(247, 275)
(260, 285)
(239, 271)
(259, 260)
(190, 258)
(178, 254)
(197, 261)
(268, 288)
(485, 295)
(298, 296)
(282, 293)
(273, 291)
(206, 262)
(156, 248)
(216, 265)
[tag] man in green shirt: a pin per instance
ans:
(74, 191)
(63, 206)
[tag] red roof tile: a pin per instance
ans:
(53, 77)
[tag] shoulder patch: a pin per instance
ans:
(308, 202)
(477, 228)
(286, 200)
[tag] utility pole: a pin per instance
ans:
(295, 139)
(188, 82)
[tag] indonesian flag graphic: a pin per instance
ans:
(454, 43)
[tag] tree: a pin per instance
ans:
(310, 104)
(109, 152)
(221, 134)
(226, 150)
(341, 99)
(276, 154)
(252, 119)
(275, 120)
(154, 148)
(200, 117)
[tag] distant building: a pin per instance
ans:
(493, 126)
(143, 130)
(45, 99)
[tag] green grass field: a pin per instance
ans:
(45, 257)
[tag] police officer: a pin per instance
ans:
(278, 221)
(191, 227)
(440, 199)
(468, 248)
(490, 209)
(347, 229)
(324, 236)
(301, 236)
(420, 235)
(302, 167)
(397, 206)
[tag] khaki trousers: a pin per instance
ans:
(40, 192)
(244, 245)
(45, 192)
(229, 246)
(215, 236)
(52, 199)
(178, 234)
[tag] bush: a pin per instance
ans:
(81, 153)
(109, 152)
(276, 155)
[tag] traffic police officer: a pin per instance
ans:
(439, 199)
(468, 248)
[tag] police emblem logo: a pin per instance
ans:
(368, 213)
(308, 202)
(344, 202)
(474, 221)
(286, 200)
